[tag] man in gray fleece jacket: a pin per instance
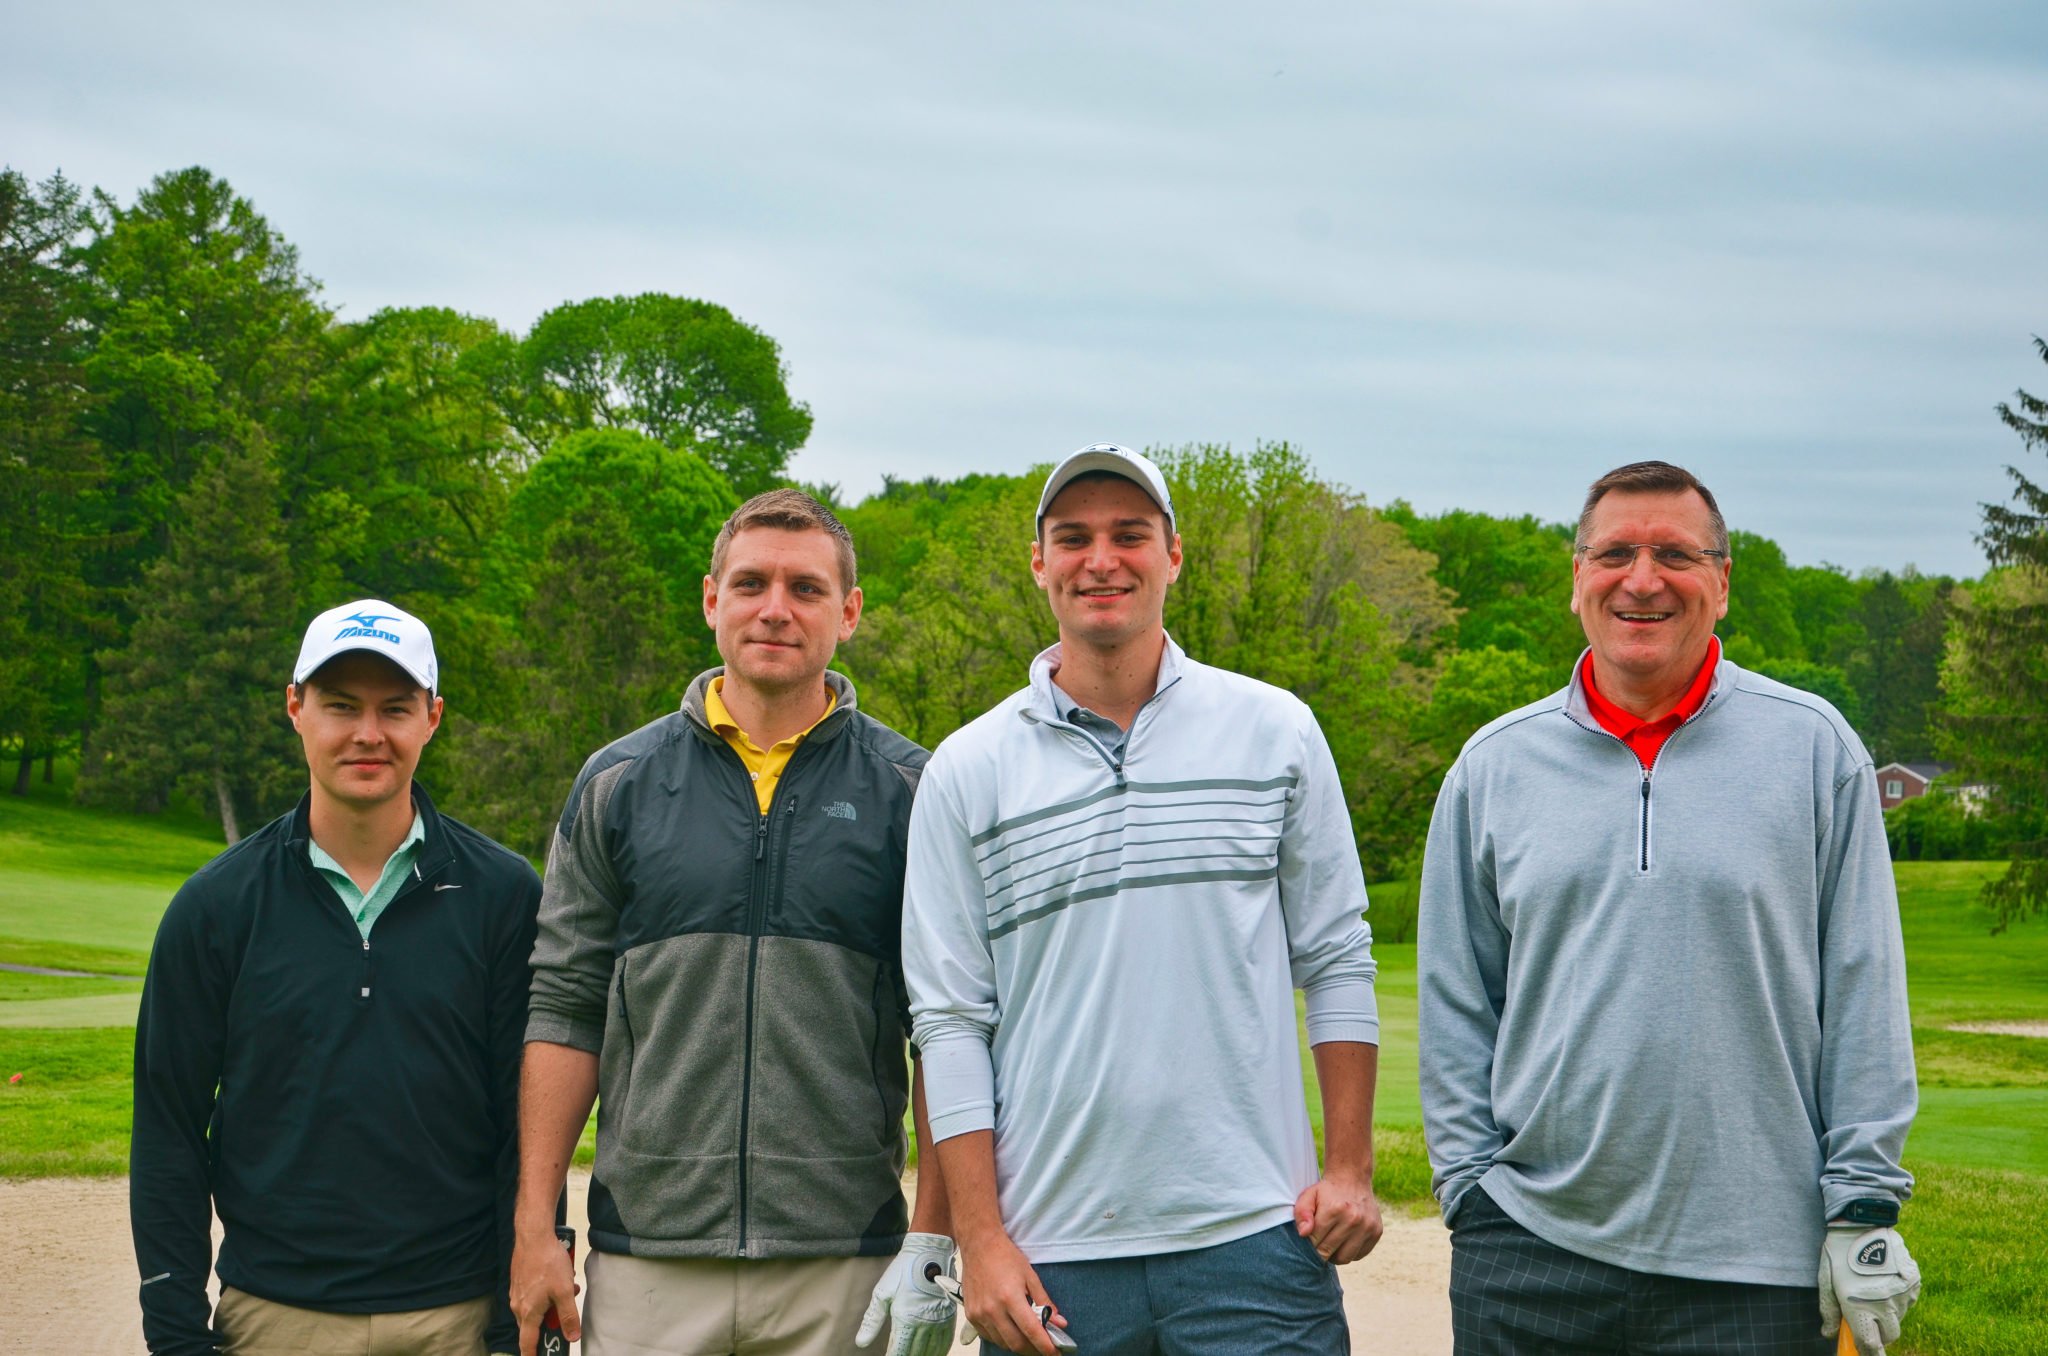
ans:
(1667, 1067)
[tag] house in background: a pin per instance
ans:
(1903, 781)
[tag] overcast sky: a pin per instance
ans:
(1465, 254)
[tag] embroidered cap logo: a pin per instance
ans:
(365, 628)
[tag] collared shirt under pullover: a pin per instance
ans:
(1663, 1009)
(1102, 954)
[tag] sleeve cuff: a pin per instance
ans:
(557, 1029)
(959, 1084)
(1342, 1010)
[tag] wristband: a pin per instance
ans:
(1871, 1212)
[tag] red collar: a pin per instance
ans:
(1633, 729)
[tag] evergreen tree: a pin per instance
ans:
(48, 616)
(1996, 673)
(195, 702)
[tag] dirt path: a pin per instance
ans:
(70, 1240)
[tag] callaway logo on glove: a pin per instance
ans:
(1867, 1280)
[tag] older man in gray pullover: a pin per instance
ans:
(1667, 1067)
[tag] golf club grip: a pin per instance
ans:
(1845, 1345)
(552, 1342)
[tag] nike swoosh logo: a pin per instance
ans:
(439, 888)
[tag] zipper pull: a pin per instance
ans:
(760, 837)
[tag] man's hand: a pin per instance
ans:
(1867, 1280)
(1340, 1215)
(999, 1289)
(922, 1313)
(542, 1276)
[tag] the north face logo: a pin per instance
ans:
(840, 809)
(1872, 1254)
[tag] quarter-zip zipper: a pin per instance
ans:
(1644, 864)
(1643, 812)
(326, 892)
(1113, 763)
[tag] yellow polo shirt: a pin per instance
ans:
(763, 765)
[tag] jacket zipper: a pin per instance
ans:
(757, 920)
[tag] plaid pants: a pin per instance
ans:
(1512, 1294)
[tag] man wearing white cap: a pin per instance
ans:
(327, 1051)
(1117, 879)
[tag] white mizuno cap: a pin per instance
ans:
(1116, 460)
(375, 626)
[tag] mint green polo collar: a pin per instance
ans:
(366, 908)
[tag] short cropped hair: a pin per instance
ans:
(791, 511)
(1653, 477)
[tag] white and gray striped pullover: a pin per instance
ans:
(1102, 953)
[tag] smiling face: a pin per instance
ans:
(1104, 557)
(1649, 626)
(778, 608)
(363, 721)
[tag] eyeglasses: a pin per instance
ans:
(1622, 555)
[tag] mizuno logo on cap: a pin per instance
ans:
(366, 628)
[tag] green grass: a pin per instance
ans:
(82, 890)
(1983, 1259)
(99, 960)
(68, 1116)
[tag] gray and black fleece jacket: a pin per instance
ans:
(739, 976)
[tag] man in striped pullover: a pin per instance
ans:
(1117, 879)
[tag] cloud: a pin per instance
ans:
(1468, 255)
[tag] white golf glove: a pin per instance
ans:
(921, 1314)
(1867, 1280)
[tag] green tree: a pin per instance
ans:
(48, 614)
(1822, 680)
(687, 373)
(1895, 666)
(195, 703)
(1762, 620)
(203, 332)
(953, 634)
(201, 324)
(600, 574)
(1474, 686)
(1824, 601)
(406, 480)
(1510, 578)
(1297, 582)
(1995, 678)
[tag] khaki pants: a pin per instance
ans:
(660, 1306)
(261, 1327)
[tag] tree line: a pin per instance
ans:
(197, 453)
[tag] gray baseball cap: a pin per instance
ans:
(1115, 459)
